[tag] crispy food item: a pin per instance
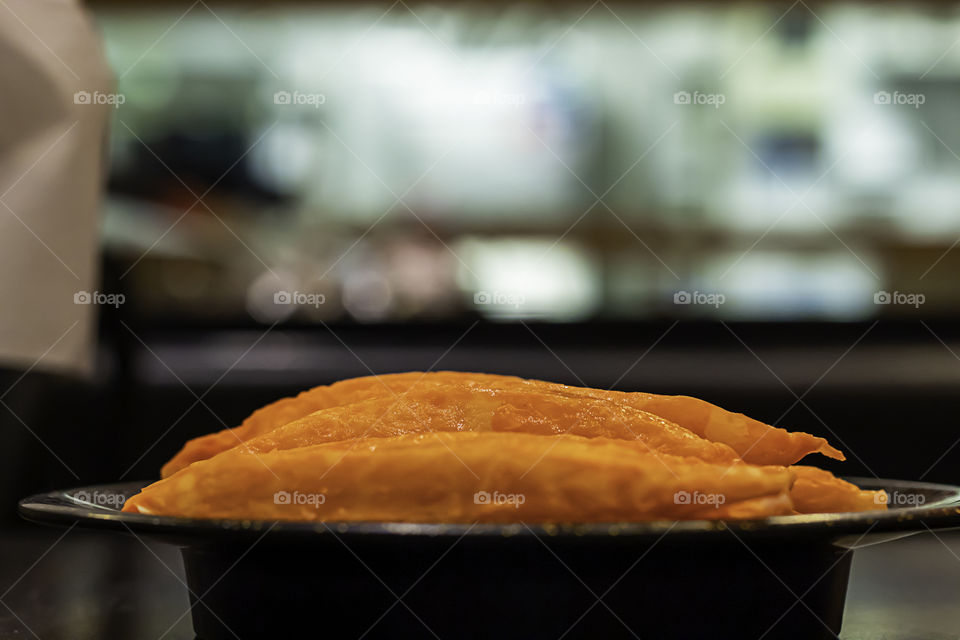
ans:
(471, 447)
(453, 407)
(819, 491)
(754, 441)
(467, 477)
(286, 410)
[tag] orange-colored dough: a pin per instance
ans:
(819, 491)
(435, 477)
(754, 441)
(454, 407)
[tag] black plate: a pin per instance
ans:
(913, 505)
(781, 577)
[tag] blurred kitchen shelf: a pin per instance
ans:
(896, 355)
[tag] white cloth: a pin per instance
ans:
(52, 165)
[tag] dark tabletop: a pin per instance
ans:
(78, 585)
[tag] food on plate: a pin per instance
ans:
(753, 441)
(468, 447)
(819, 491)
(467, 477)
(454, 407)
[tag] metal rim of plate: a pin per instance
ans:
(921, 506)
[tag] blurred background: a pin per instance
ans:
(758, 204)
(525, 162)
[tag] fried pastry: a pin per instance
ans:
(441, 447)
(819, 491)
(753, 441)
(285, 410)
(467, 477)
(454, 407)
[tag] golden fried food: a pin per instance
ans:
(754, 441)
(458, 408)
(446, 446)
(286, 410)
(819, 491)
(467, 477)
